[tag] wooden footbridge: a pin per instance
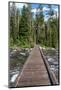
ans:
(36, 71)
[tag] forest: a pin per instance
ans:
(27, 29)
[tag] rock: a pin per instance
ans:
(50, 59)
(14, 78)
(23, 54)
(53, 69)
(53, 49)
(55, 63)
(13, 52)
(52, 66)
(31, 49)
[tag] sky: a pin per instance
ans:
(35, 6)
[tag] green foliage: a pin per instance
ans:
(25, 30)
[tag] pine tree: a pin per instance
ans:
(13, 22)
(25, 25)
(50, 13)
(39, 25)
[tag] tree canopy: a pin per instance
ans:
(27, 30)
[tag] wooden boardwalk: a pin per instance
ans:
(34, 71)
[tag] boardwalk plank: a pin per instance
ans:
(34, 71)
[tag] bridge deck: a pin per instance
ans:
(34, 71)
